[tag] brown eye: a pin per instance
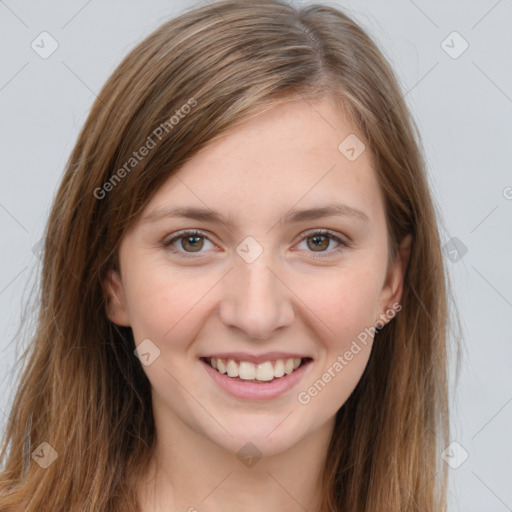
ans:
(193, 242)
(190, 242)
(320, 242)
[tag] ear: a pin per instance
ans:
(116, 309)
(393, 286)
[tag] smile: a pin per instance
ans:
(248, 380)
(266, 371)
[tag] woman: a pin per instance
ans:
(193, 351)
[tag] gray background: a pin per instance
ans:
(462, 105)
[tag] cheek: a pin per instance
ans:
(344, 300)
(347, 305)
(160, 301)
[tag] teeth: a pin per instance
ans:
(247, 371)
(288, 366)
(232, 368)
(221, 366)
(279, 368)
(264, 372)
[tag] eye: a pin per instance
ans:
(320, 239)
(193, 242)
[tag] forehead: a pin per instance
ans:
(291, 156)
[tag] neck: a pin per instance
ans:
(189, 472)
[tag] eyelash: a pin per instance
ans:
(310, 234)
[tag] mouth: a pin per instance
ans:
(266, 372)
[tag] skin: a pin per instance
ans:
(286, 300)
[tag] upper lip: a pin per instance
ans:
(255, 358)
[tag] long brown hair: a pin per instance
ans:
(84, 394)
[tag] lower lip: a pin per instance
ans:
(253, 390)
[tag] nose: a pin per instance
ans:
(256, 300)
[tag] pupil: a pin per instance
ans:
(317, 239)
(196, 238)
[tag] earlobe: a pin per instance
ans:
(393, 287)
(115, 299)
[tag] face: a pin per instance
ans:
(256, 282)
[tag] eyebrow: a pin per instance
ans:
(293, 216)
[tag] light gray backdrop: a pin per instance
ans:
(454, 62)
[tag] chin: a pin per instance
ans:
(263, 441)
